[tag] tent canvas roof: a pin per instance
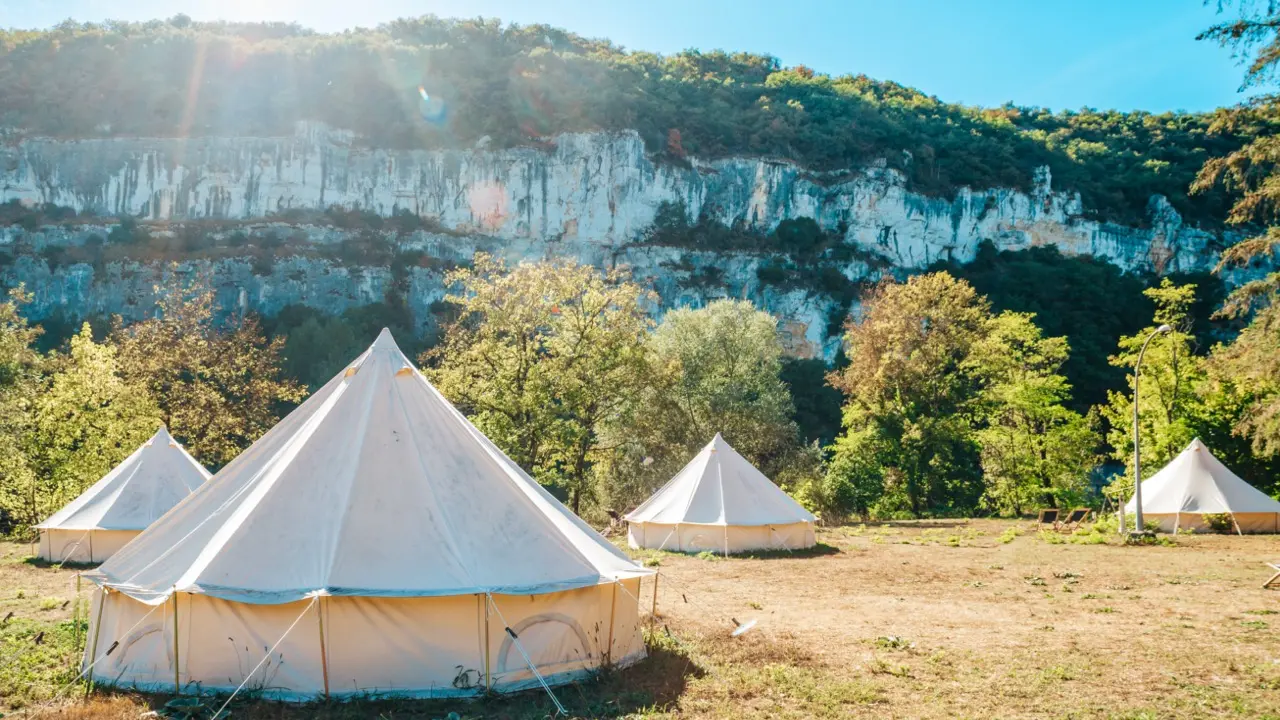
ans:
(157, 476)
(720, 487)
(1197, 482)
(375, 486)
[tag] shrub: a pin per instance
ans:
(126, 232)
(772, 273)
(1221, 523)
(1109, 523)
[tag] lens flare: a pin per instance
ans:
(433, 109)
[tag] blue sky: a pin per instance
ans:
(1124, 54)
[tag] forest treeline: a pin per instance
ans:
(943, 404)
(428, 82)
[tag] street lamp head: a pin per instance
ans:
(1164, 329)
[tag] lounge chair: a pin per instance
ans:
(1049, 517)
(1073, 520)
(1275, 577)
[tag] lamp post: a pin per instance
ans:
(1137, 468)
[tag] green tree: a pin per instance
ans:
(218, 384)
(1246, 371)
(713, 369)
(817, 404)
(854, 479)
(21, 380)
(316, 345)
(541, 357)
(86, 421)
(1170, 397)
(1252, 171)
(1088, 301)
(911, 393)
(1034, 449)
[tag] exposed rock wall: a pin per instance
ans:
(595, 187)
(588, 197)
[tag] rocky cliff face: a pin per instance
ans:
(589, 196)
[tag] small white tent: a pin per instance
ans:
(91, 528)
(720, 502)
(1195, 484)
(377, 544)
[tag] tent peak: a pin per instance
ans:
(385, 341)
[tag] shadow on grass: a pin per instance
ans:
(921, 524)
(656, 682)
(39, 562)
(818, 550)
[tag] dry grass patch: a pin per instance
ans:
(900, 620)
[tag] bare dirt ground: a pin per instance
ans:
(906, 620)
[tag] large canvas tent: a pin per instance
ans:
(1195, 484)
(720, 503)
(376, 544)
(99, 522)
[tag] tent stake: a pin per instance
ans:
(613, 607)
(97, 630)
(324, 653)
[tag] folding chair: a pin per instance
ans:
(1073, 520)
(1049, 517)
(1274, 578)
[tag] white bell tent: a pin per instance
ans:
(1195, 484)
(373, 543)
(720, 502)
(94, 526)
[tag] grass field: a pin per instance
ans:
(910, 620)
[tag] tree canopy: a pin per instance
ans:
(218, 384)
(541, 356)
(714, 369)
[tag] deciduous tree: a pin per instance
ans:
(86, 421)
(713, 369)
(911, 393)
(218, 383)
(540, 357)
(21, 378)
(1034, 449)
(1170, 400)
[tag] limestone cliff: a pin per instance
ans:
(589, 196)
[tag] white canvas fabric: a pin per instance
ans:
(157, 476)
(720, 502)
(420, 647)
(394, 538)
(1196, 483)
(375, 486)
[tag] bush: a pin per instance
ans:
(772, 273)
(1109, 523)
(126, 232)
(1221, 523)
